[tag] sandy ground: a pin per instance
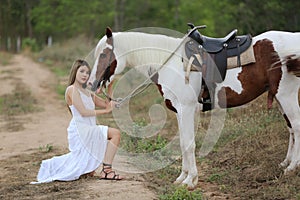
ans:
(49, 127)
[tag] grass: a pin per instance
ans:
(19, 102)
(181, 192)
(47, 148)
(244, 162)
(141, 145)
(5, 58)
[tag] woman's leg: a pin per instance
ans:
(113, 137)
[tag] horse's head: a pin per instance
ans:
(105, 63)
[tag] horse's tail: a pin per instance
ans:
(292, 63)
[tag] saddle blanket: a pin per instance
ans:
(246, 57)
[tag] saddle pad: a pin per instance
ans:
(246, 57)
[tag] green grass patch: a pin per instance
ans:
(60, 90)
(5, 58)
(181, 193)
(60, 71)
(142, 145)
(19, 102)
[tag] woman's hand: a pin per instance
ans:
(109, 106)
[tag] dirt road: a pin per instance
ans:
(20, 147)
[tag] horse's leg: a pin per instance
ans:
(287, 96)
(185, 164)
(287, 159)
(290, 151)
(189, 174)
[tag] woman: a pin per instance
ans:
(89, 144)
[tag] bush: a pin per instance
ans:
(30, 44)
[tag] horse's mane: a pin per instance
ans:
(143, 48)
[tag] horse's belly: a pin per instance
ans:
(232, 81)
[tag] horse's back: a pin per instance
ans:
(275, 35)
(285, 43)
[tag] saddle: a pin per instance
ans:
(210, 56)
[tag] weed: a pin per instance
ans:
(47, 148)
(215, 177)
(181, 193)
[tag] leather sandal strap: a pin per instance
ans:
(107, 165)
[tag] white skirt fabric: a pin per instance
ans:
(87, 145)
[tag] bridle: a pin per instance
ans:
(143, 86)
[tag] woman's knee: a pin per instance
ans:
(114, 133)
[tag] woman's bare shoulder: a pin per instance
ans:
(69, 94)
(70, 89)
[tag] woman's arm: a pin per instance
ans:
(99, 102)
(74, 96)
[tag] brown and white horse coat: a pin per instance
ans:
(275, 71)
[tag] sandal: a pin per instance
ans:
(107, 176)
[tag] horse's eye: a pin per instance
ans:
(102, 55)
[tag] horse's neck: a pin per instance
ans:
(146, 51)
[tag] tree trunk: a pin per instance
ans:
(119, 15)
(27, 18)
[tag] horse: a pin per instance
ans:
(276, 70)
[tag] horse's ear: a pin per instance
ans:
(108, 32)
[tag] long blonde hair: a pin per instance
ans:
(78, 63)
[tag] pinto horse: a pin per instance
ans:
(276, 70)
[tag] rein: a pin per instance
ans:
(143, 86)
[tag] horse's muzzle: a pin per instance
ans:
(95, 86)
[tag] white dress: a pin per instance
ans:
(87, 145)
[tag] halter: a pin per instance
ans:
(143, 86)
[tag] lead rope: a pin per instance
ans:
(146, 83)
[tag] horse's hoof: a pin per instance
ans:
(189, 186)
(177, 182)
(289, 170)
(284, 164)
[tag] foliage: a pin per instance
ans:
(257, 16)
(30, 44)
(64, 19)
(181, 193)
